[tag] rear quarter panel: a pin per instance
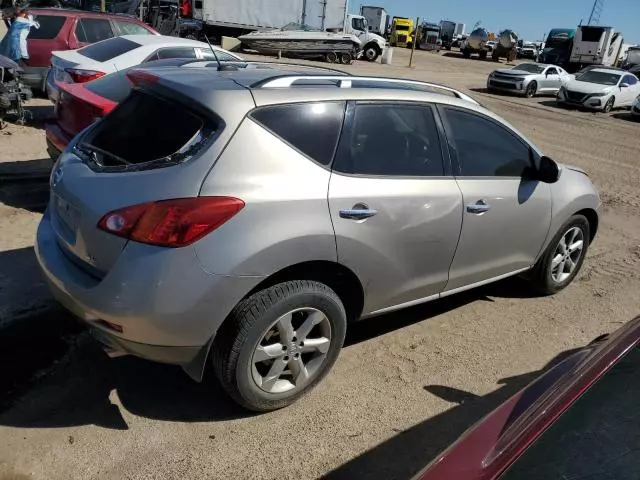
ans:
(286, 217)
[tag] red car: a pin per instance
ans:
(580, 419)
(62, 29)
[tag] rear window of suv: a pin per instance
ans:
(145, 128)
(108, 49)
(50, 26)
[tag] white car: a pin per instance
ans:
(635, 108)
(601, 89)
(117, 53)
(528, 79)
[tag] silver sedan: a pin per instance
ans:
(528, 79)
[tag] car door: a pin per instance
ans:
(395, 206)
(629, 93)
(506, 215)
(552, 80)
(92, 30)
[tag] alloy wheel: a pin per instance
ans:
(291, 351)
(567, 255)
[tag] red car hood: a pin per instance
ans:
(487, 449)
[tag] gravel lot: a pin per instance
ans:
(405, 386)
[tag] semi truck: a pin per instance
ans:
(428, 35)
(377, 19)
(447, 33)
(234, 18)
(401, 32)
(557, 47)
(595, 45)
(476, 43)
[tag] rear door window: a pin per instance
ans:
(91, 30)
(130, 28)
(311, 128)
(50, 26)
(112, 48)
(144, 128)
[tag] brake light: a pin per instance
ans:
(83, 76)
(171, 223)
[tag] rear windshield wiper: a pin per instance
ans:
(90, 153)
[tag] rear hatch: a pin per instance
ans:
(119, 163)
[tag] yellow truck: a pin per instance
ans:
(401, 32)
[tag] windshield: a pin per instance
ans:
(602, 78)
(402, 27)
(633, 57)
(359, 24)
(529, 67)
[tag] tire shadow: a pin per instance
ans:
(25, 184)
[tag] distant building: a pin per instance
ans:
(460, 28)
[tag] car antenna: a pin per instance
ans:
(220, 66)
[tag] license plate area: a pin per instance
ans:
(68, 217)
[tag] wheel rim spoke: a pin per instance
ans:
(567, 255)
(316, 345)
(285, 329)
(556, 261)
(575, 246)
(270, 379)
(313, 319)
(299, 372)
(268, 352)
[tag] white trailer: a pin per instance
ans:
(234, 17)
(377, 19)
(595, 45)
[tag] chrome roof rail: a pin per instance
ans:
(341, 81)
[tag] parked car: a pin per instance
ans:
(258, 212)
(528, 50)
(62, 29)
(635, 108)
(115, 54)
(491, 45)
(528, 79)
(600, 89)
(577, 420)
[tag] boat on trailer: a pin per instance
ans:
(297, 40)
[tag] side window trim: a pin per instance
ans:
(442, 110)
(347, 129)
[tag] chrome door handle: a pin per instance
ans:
(357, 213)
(479, 207)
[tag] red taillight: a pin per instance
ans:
(171, 223)
(83, 76)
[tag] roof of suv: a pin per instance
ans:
(282, 83)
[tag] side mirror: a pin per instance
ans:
(548, 170)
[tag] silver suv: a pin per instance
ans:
(245, 218)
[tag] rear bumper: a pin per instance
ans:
(57, 139)
(167, 306)
(35, 77)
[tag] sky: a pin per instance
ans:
(540, 17)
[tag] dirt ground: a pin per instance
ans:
(405, 386)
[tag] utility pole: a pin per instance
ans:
(415, 40)
(594, 18)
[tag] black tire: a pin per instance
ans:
(609, 105)
(245, 327)
(371, 52)
(531, 90)
(346, 59)
(466, 53)
(541, 275)
(331, 57)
